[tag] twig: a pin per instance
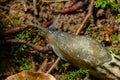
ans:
(72, 8)
(34, 66)
(54, 65)
(13, 30)
(43, 66)
(86, 18)
(35, 9)
(38, 48)
(3, 7)
(55, 0)
(8, 18)
(23, 2)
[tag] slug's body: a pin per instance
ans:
(83, 47)
(84, 52)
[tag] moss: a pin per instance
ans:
(74, 75)
(103, 3)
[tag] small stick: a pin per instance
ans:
(76, 6)
(38, 48)
(55, 1)
(4, 7)
(43, 66)
(23, 2)
(35, 9)
(54, 65)
(86, 18)
(34, 66)
(13, 30)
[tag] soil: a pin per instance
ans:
(99, 20)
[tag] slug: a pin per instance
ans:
(83, 52)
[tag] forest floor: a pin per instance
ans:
(15, 57)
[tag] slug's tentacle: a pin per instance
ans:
(52, 27)
(41, 27)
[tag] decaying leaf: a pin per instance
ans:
(29, 75)
(108, 30)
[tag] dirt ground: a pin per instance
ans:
(95, 27)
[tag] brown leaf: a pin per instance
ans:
(29, 75)
(109, 30)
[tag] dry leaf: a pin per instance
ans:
(29, 75)
(108, 30)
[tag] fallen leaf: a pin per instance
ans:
(29, 75)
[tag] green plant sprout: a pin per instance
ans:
(104, 3)
(113, 50)
(62, 66)
(114, 38)
(90, 31)
(24, 62)
(16, 18)
(26, 67)
(22, 59)
(44, 56)
(118, 18)
(74, 75)
(24, 35)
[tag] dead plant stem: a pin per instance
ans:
(86, 18)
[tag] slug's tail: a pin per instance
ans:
(112, 68)
(52, 27)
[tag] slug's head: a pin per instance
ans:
(50, 29)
